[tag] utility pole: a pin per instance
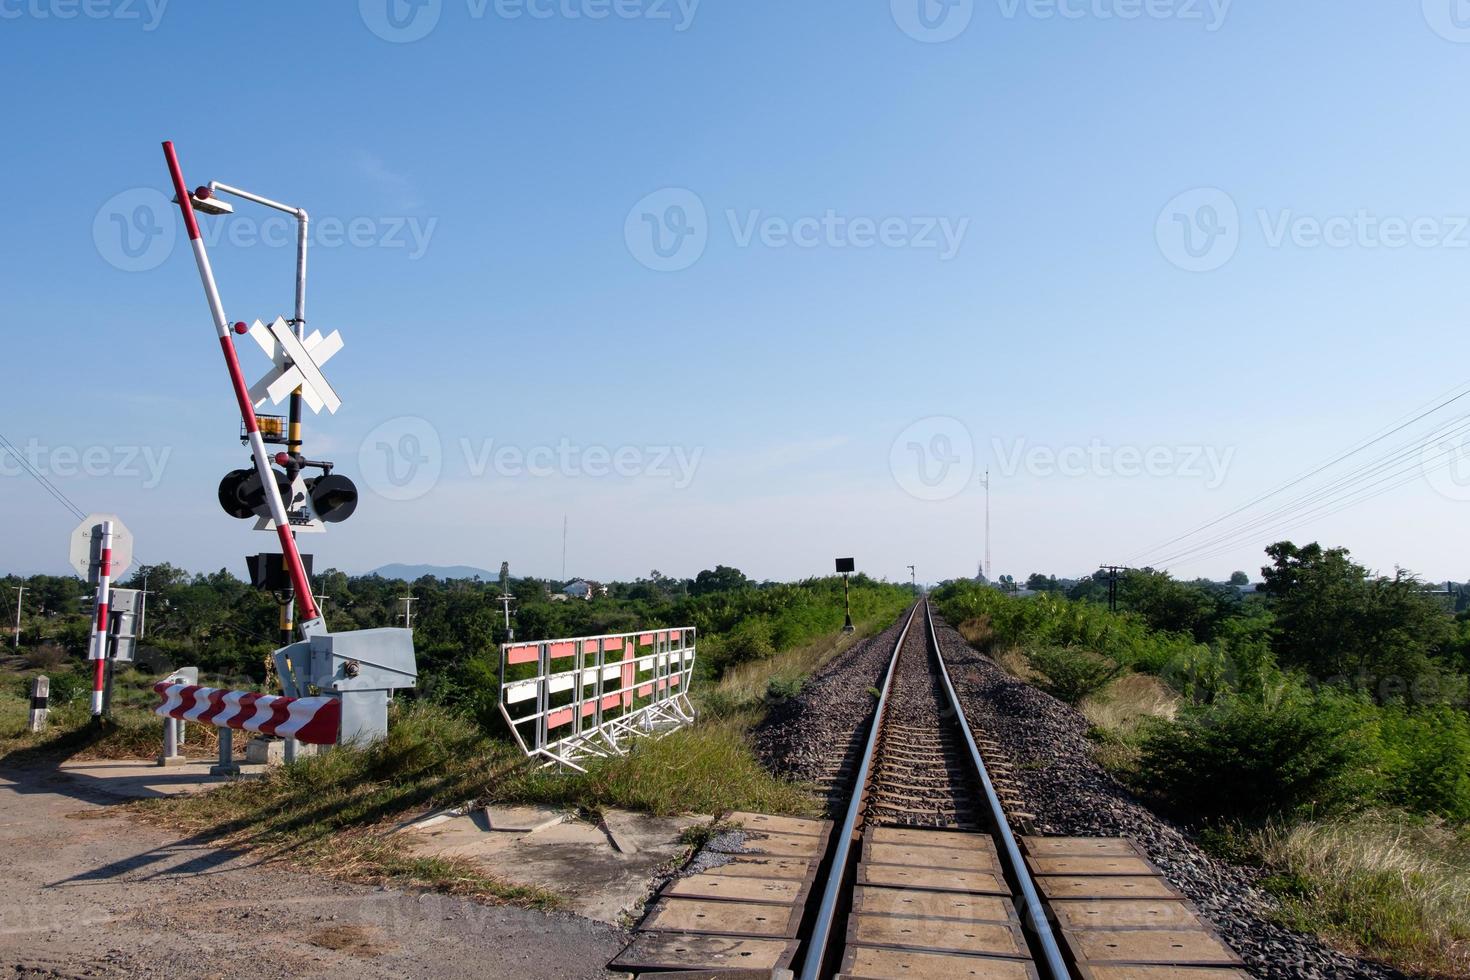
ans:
(408, 602)
(1113, 571)
(985, 482)
(506, 597)
(505, 600)
(20, 590)
(913, 580)
(143, 607)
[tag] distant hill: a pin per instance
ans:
(410, 572)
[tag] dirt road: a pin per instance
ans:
(86, 892)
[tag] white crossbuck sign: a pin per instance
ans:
(297, 365)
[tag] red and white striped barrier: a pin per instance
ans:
(313, 721)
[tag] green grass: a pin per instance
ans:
(706, 768)
(1385, 886)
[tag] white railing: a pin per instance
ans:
(572, 699)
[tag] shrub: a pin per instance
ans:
(67, 687)
(47, 656)
(1426, 761)
(1244, 759)
(1071, 674)
(751, 640)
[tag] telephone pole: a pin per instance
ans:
(20, 591)
(143, 607)
(985, 482)
(408, 602)
(1113, 571)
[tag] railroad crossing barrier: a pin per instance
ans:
(356, 674)
(574, 699)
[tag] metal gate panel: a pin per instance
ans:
(572, 699)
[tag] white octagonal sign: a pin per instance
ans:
(86, 546)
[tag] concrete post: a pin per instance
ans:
(40, 702)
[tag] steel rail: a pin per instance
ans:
(1036, 917)
(816, 950)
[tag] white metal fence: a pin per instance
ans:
(571, 699)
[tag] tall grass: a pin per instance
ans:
(1384, 885)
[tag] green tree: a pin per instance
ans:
(722, 578)
(1335, 620)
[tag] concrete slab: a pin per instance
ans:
(520, 819)
(128, 779)
(575, 859)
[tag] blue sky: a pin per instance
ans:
(883, 257)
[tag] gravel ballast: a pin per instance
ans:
(820, 732)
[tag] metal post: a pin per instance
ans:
(242, 396)
(226, 766)
(98, 651)
(171, 741)
(847, 626)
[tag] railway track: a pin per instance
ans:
(917, 874)
(925, 873)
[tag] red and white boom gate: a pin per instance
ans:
(574, 699)
(357, 669)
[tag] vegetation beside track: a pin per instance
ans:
(1318, 729)
(335, 813)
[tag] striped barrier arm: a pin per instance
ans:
(313, 721)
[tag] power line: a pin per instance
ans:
(40, 478)
(1345, 482)
(1338, 504)
(1455, 395)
